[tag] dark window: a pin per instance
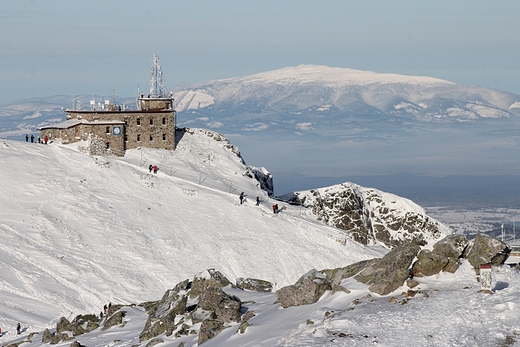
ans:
(138, 137)
(164, 121)
(107, 130)
(151, 121)
(164, 137)
(151, 138)
(126, 138)
(108, 145)
(138, 121)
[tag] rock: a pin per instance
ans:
(452, 246)
(47, 336)
(63, 325)
(224, 306)
(154, 342)
(307, 290)
(208, 278)
(484, 249)
(209, 329)
(389, 273)
(115, 319)
(254, 284)
(369, 215)
(429, 264)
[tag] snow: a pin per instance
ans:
(81, 231)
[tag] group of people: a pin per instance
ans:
(44, 141)
(153, 168)
(242, 198)
(106, 310)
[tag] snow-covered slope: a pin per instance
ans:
(81, 231)
(78, 231)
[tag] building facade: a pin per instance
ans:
(151, 125)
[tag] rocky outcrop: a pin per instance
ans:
(66, 330)
(202, 300)
(253, 284)
(307, 290)
(264, 178)
(370, 216)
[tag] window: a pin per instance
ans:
(151, 138)
(126, 138)
(151, 121)
(164, 137)
(138, 121)
(138, 138)
(164, 121)
(107, 130)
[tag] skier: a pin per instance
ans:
(150, 168)
(155, 168)
(257, 200)
(18, 328)
(241, 197)
(32, 138)
(45, 139)
(275, 208)
(26, 138)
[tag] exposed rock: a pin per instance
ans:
(429, 264)
(452, 246)
(389, 273)
(154, 342)
(254, 284)
(484, 249)
(307, 290)
(208, 278)
(63, 325)
(47, 336)
(264, 178)
(115, 319)
(369, 215)
(339, 274)
(226, 307)
(209, 329)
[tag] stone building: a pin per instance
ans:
(152, 124)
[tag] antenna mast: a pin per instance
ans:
(156, 78)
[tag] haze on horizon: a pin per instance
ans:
(73, 48)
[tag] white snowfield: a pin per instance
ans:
(81, 231)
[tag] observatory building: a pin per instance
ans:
(150, 124)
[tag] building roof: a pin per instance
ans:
(74, 122)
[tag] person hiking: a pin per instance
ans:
(275, 208)
(241, 197)
(155, 168)
(32, 138)
(18, 329)
(26, 138)
(150, 168)
(257, 200)
(45, 139)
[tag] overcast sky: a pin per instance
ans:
(68, 47)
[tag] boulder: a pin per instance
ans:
(452, 246)
(389, 273)
(307, 290)
(254, 284)
(115, 319)
(429, 263)
(484, 249)
(209, 329)
(225, 307)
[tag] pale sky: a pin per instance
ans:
(97, 47)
